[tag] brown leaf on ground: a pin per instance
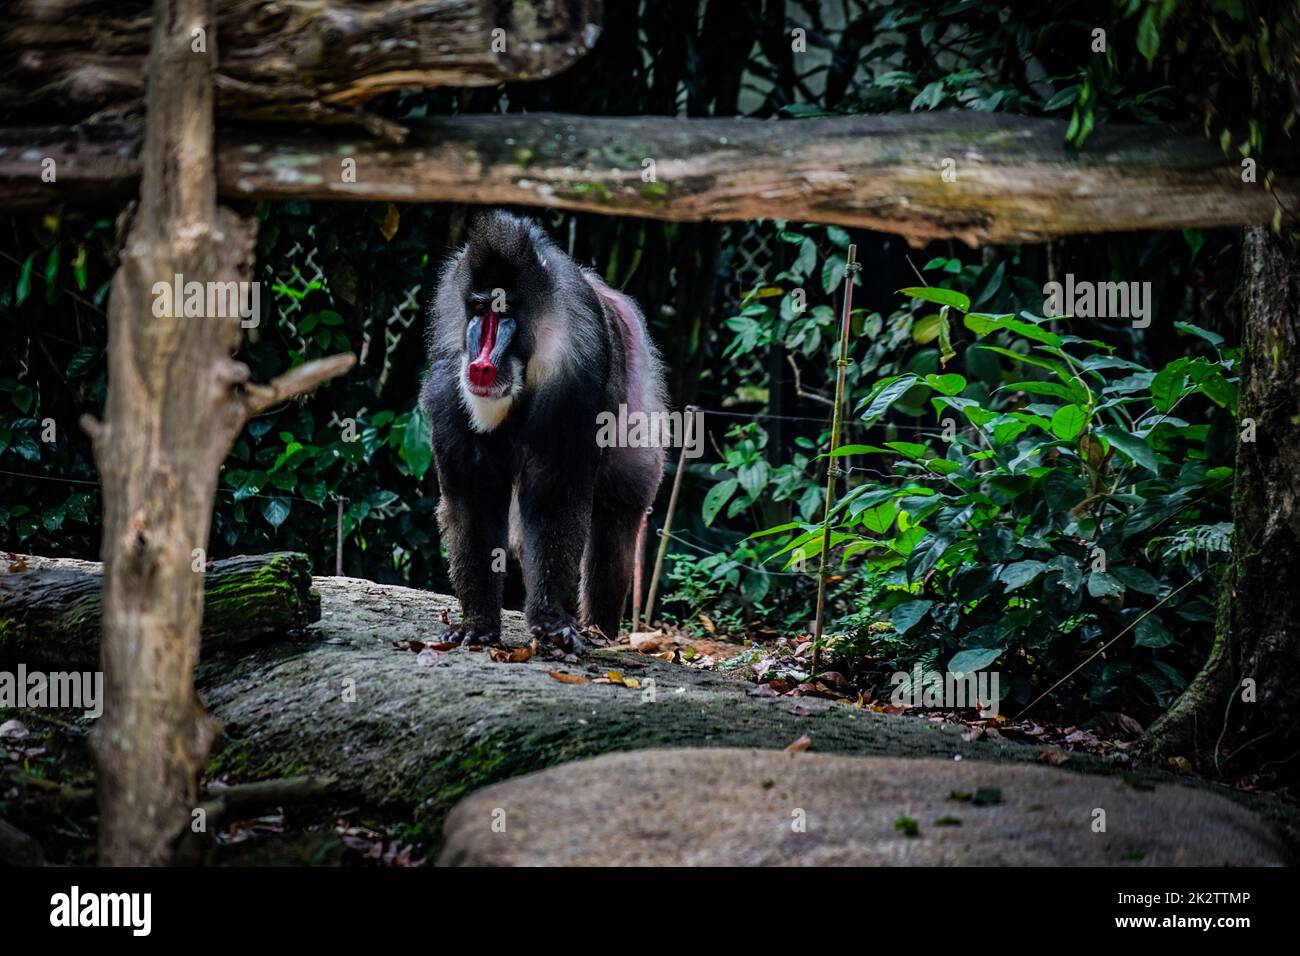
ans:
(564, 678)
(1052, 755)
(513, 655)
(1129, 725)
(803, 743)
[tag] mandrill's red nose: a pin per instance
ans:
(482, 373)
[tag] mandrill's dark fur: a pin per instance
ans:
(573, 348)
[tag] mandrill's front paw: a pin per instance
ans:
(560, 633)
(468, 635)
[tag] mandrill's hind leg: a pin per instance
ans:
(625, 488)
(607, 565)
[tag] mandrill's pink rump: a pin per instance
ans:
(632, 332)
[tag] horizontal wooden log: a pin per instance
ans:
(50, 607)
(1013, 178)
(287, 60)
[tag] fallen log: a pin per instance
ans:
(50, 607)
(283, 61)
(1015, 180)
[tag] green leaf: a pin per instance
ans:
(1168, 385)
(908, 614)
(982, 324)
(1136, 579)
(939, 296)
(969, 661)
(885, 397)
(24, 287)
(82, 360)
(950, 384)
(1068, 421)
(1151, 633)
(845, 450)
(1148, 36)
(753, 477)
(1136, 449)
(276, 510)
(718, 496)
(417, 443)
(1054, 389)
(908, 449)
(880, 518)
(1020, 573)
(1101, 584)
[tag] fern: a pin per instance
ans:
(1205, 539)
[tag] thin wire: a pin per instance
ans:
(96, 484)
(801, 418)
(710, 551)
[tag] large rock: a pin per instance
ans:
(699, 807)
(343, 702)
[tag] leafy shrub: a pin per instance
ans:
(1060, 503)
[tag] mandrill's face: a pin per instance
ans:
(488, 337)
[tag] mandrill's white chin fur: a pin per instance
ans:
(485, 414)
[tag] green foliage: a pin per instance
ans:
(360, 439)
(1053, 507)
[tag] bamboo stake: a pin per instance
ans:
(638, 571)
(688, 416)
(832, 469)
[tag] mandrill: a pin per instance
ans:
(526, 349)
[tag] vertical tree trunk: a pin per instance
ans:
(176, 401)
(1256, 652)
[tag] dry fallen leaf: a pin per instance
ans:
(1052, 755)
(564, 678)
(1129, 725)
(513, 655)
(803, 743)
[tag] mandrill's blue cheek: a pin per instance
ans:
(505, 332)
(474, 336)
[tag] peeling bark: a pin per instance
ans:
(284, 60)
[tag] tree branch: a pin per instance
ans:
(297, 381)
(1013, 178)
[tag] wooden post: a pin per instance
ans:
(176, 403)
(832, 469)
(338, 537)
(668, 526)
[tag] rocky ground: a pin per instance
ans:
(418, 731)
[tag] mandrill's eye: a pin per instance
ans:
(478, 307)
